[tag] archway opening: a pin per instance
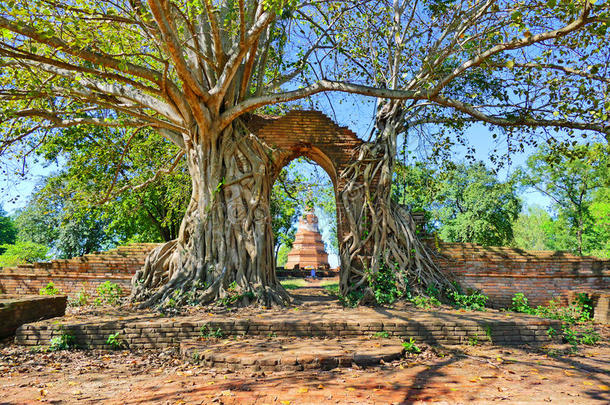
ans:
(303, 206)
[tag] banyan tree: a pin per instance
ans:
(199, 71)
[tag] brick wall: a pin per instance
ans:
(72, 276)
(501, 272)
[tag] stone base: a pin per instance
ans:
(17, 310)
(276, 354)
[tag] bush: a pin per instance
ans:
(49, 289)
(383, 284)
(475, 301)
(22, 253)
(579, 311)
(81, 299)
(421, 301)
(65, 341)
(108, 293)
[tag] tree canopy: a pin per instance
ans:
(192, 71)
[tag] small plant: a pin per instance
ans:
(109, 293)
(114, 341)
(381, 335)
(424, 302)
(489, 333)
(473, 340)
(551, 333)
(65, 341)
(589, 337)
(475, 301)
(81, 299)
(411, 347)
(570, 336)
(350, 300)
(520, 304)
(49, 289)
(206, 332)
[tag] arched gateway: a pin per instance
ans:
(225, 246)
(313, 135)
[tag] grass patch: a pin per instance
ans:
(294, 283)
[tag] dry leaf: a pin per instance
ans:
(302, 390)
(603, 387)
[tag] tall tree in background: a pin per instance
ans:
(8, 230)
(573, 179)
(465, 203)
(193, 70)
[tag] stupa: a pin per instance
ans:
(308, 249)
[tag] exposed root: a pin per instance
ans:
(381, 233)
(224, 251)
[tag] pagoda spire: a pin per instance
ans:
(308, 249)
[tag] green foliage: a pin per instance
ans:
(383, 284)
(352, 299)
(532, 230)
(206, 332)
(473, 340)
(115, 341)
(233, 296)
(520, 304)
(49, 289)
(424, 302)
(8, 231)
(577, 179)
(578, 311)
(22, 252)
(381, 335)
(282, 255)
(82, 299)
(108, 293)
(474, 301)
(411, 347)
(65, 341)
(465, 203)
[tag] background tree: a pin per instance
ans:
(8, 231)
(465, 203)
(532, 229)
(193, 70)
(572, 179)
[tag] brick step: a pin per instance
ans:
(281, 354)
(435, 327)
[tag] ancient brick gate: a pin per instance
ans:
(313, 135)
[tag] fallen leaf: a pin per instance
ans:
(351, 389)
(320, 387)
(302, 390)
(603, 387)
(587, 383)
(285, 402)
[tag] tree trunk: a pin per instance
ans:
(225, 245)
(381, 253)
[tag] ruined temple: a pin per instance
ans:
(308, 248)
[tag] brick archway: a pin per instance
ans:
(313, 135)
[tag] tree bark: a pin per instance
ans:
(225, 245)
(381, 236)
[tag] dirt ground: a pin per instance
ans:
(452, 375)
(465, 374)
